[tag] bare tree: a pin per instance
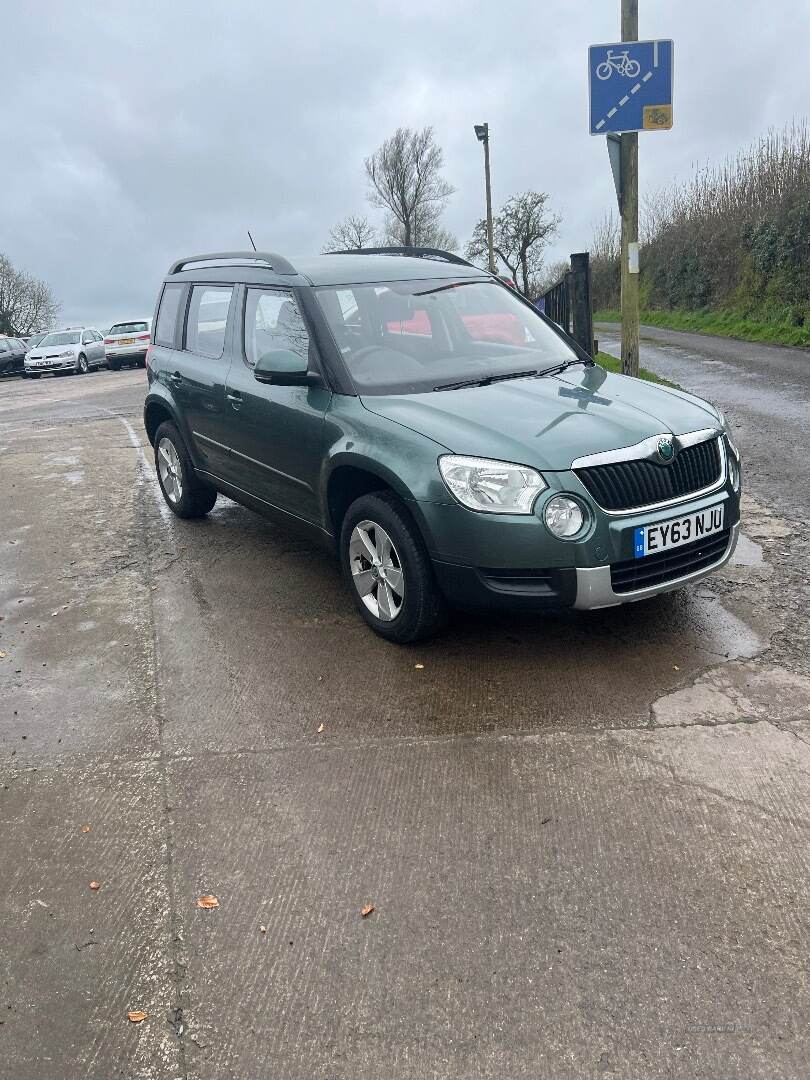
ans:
(522, 228)
(355, 231)
(606, 242)
(427, 231)
(405, 179)
(26, 303)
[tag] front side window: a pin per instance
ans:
(273, 322)
(207, 319)
(167, 316)
(409, 337)
(87, 337)
(67, 337)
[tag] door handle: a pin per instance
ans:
(234, 397)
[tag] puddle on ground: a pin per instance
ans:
(748, 553)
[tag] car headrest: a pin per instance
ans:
(395, 307)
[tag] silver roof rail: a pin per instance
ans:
(276, 262)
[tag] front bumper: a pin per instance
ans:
(42, 367)
(585, 588)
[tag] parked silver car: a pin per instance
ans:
(127, 342)
(77, 349)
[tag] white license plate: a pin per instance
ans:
(650, 539)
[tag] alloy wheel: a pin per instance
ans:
(171, 474)
(376, 570)
(83, 365)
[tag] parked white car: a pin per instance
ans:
(77, 349)
(127, 342)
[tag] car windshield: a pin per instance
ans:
(35, 340)
(129, 328)
(410, 337)
(68, 337)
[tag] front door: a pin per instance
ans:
(276, 432)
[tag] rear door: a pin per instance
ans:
(196, 374)
(276, 432)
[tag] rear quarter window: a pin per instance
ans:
(166, 325)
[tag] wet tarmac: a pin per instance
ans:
(764, 391)
(584, 836)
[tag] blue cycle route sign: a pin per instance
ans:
(630, 86)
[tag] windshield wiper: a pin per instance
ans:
(487, 380)
(452, 285)
(558, 368)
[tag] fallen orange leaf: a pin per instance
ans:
(367, 910)
(95, 885)
(85, 828)
(207, 901)
(320, 728)
(137, 1015)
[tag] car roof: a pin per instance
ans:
(333, 269)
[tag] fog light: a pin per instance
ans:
(564, 517)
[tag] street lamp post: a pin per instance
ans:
(482, 134)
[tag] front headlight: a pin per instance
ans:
(65, 355)
(494, 487)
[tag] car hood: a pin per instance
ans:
(547, 422)
(38, 353)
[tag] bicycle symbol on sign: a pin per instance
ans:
(620, 63)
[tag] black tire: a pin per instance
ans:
(33, 374)
(82, 367)
(113, 365)
(197, 498)
(423, 609)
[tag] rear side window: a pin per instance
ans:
(273, 322)
(207, 319)
(167, 316)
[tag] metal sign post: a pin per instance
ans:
(630, 89)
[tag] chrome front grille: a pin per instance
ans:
(631, 485)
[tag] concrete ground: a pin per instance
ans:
(585, 837)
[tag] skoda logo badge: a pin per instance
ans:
(666, 451)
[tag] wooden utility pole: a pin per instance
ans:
(629, 174)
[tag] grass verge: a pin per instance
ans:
(612, 364)
(720, 324)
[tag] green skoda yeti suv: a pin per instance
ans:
(454, 445)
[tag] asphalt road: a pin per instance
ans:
(764, 390)
(585, 837)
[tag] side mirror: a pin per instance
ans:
(282, 367)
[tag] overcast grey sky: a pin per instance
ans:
(135, 133)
